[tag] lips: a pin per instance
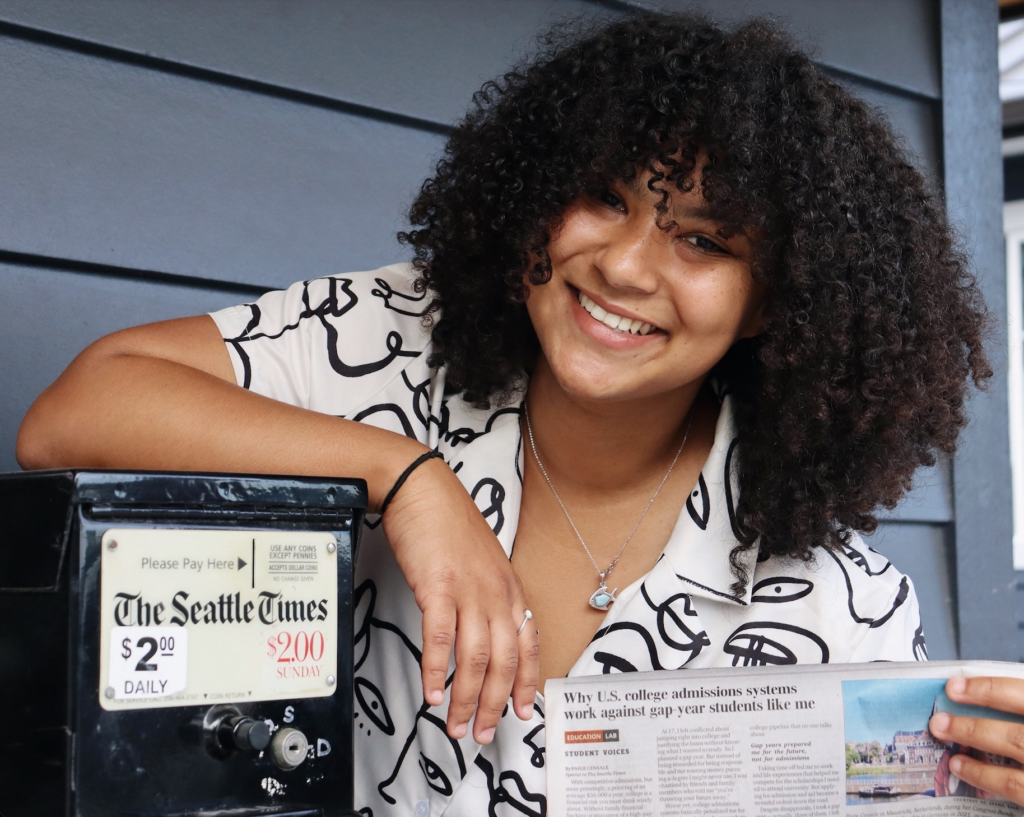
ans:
(619, 323)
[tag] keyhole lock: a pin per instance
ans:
(229, 731)
(289, 748)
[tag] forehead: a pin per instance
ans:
(689, 204)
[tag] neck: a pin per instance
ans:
(604, 446)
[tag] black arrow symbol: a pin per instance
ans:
(241, 563)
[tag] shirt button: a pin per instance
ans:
(422, 808)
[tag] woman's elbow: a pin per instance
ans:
(37, 445)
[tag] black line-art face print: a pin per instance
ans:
(394, 409)
(613, 663)
(387, 293)
(537, 758)
(901, 596)
(680, 653)
(364, 599)
(732, 494)
(918, 646)
(769, 643)
(700, 491)
(373, 706)
(436, 778)
(420, 398)
(329, 307)
(861, 560)
(780, 589)
(519, 799)
(497, 499)
(444, 764)
(672, 627)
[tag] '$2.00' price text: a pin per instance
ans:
(296, 654)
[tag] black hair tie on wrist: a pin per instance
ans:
(416, 463)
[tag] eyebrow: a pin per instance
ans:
(700, 211)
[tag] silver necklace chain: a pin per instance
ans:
(603, 575)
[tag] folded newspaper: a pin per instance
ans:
(847, 739)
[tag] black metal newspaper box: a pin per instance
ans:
(176, 644)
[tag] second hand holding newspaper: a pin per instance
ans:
(819, 740)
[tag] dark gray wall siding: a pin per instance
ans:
(113, 163)
(427, 59)
(48, 316)
(257, 142)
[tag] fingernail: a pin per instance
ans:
(940, 722)
(957, 685)
(525, 712)
(486, 736)
(458, 731)
(955, 763)
(434, 697)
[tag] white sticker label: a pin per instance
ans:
(148, 662)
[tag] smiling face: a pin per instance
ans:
(632, 310)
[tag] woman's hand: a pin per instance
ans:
(470, 597)
(998, 737)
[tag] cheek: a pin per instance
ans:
(718, 306)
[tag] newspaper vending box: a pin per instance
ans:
(176, 644)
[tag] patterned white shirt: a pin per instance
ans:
(354, 346)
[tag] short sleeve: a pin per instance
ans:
(327, 344)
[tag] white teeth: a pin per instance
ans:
(616, 322)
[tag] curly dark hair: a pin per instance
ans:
(874, 323)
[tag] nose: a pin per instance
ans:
(628, 257)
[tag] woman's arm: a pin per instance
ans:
(998, 737)
(164, 396)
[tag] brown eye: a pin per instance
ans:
(705, 244)
(608, 198)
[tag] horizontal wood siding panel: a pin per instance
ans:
(115, 164)
(930, 501)
(47, 317)
(891, 42)
(423, 59)
(426, 59)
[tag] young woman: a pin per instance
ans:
(681, 315)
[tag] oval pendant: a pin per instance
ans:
(602, 598)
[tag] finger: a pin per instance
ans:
(999, 737)
(472, 655)
(524, 688)
(999, 780)
(1006, 694)
(438, 637)
(497, 685)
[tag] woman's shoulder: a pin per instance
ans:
(852, 595)
(384, 298)
(329, 343)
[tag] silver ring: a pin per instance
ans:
(526, 617)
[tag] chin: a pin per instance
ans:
(600, 383)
